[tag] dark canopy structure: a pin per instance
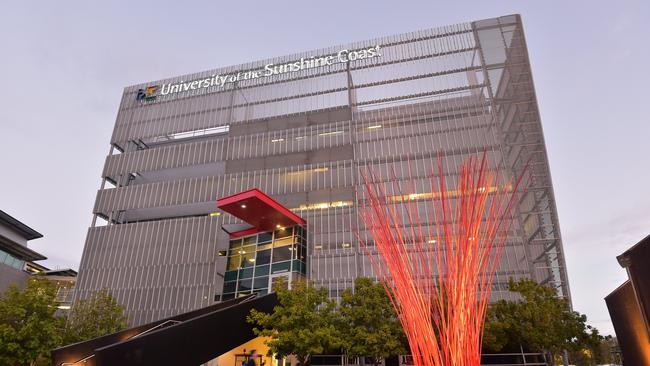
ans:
(629, 305)
(191, 338)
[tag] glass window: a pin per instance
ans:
(282, 254)
(229, 286)
(245, 285)
(264, 246)
(225, 297)
(234, 244)
(248, 258)
(300, 231)
(3, 256)
(260, 282)
(283, 233)
(234, 262)
(302, 252)
(299, 266)
(230, 276)
(262, 270)
(281, 267)
(283, 242)
(10, 261)
(250, 240)
(263, 257)
(246, 273)
(265, 237)
(262, 291)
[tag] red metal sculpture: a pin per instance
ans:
(438, 272)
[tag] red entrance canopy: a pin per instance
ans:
(259, 210)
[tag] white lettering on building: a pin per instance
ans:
(342, 56)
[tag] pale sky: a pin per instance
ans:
(63, 65)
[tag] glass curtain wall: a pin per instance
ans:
(256, 261)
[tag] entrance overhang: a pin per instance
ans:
(259, 210)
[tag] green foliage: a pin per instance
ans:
(28, 327)
(597, 350)
(94, 317)
(541, 322)
(368, 322)
(301, 325)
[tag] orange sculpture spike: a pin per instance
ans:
(440, 288)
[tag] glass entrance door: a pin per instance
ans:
(275, 278)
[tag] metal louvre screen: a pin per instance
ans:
(304, 135)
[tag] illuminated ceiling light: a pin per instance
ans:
(243, 206)
(277, 140)
(278, 226)
(330, 133)
(346, 245)
(300, 137)
(431, 241)
(213, 214)
(252, 260)
(318, 246)
(320, 170)
(64, 307)
(374, 127)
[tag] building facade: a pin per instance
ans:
(15, 257)
(304, 128)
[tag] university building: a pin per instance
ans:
(18, 263)
(219, 182)
(16, 259)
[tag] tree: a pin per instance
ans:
(597, 350)
(94, 317)
(301, 325)
(541, 322)
(28, 327)
(369, 324)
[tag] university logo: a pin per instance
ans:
(150, 93)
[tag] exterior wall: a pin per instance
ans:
(306, 138)
(631, 332)
(12, 235)
(11, 276)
